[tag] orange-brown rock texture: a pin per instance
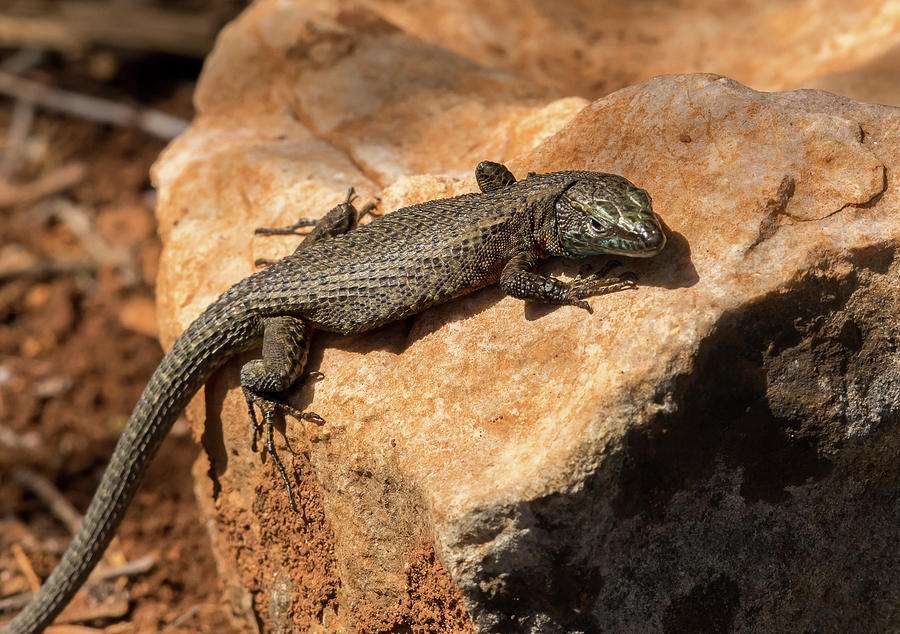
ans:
(717, 450)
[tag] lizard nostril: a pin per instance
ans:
(654, 238)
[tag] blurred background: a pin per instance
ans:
(90, 93)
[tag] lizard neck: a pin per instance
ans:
(539, 193)
(544, 231)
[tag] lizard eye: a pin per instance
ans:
(596, 225)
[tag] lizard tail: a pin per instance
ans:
(214, 337)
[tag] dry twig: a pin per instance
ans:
(17, 136)
(23, 60)
(49, 495)
(15, 602)
(25, 565)
(183, 618)
(128, 569)
(68, 515)
(73, 26)
(114, 608)
(110, 609)
(43, 269)
(153, 122)
(72, 629)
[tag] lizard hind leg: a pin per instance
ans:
(264, 381)
(286, 342)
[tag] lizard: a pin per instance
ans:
(347, 277)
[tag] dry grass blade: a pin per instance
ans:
(50, 495)
(22, 559)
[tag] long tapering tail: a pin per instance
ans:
(215, 336)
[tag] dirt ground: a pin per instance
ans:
(78, 259)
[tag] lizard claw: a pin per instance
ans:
(580, 303)
(597, 284)
(268, 407)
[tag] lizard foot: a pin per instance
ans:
(340, 212)
(598, 284)
(268, 407)
(282, 231)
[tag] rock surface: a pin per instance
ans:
(716, 450)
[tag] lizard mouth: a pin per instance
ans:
(624, 244)
(651, 239)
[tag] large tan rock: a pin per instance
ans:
(717, 449)
(590, 48)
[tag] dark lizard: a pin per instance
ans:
(346, 278)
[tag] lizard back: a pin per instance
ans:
(399, 264)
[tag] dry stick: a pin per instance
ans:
(67, 514)
(128, 569)
(72, 629)
(136, 567)
(44, 269)
(80, 224)
(184, 618)
(55, 181)
(23, 60)
(22, 559)
(153, 122)
(49, 495)
(113, 608)
(17, 136)
(19, 62)
(15, 601)
(72, 26)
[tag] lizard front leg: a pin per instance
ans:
(519, 280)
(339, 219)
(492, 177)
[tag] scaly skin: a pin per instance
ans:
(348, 280)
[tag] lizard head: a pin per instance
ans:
(605, 213)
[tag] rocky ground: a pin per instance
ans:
(366, 94)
